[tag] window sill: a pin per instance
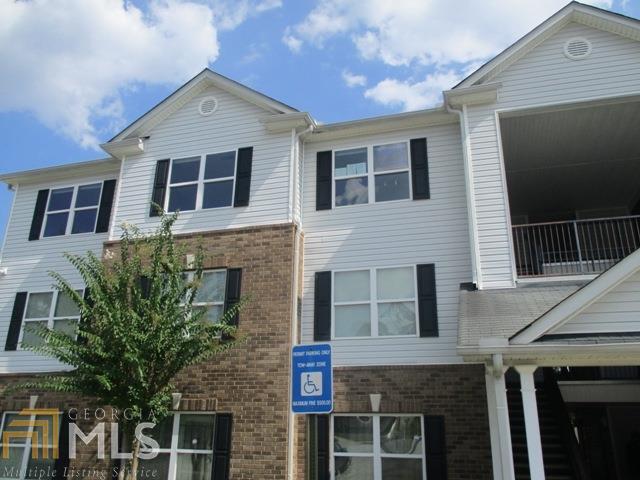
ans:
(381, 337)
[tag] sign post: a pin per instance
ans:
(312, 379)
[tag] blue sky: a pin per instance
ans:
(77, 71)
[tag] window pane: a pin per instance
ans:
(353, 321)
(212, 314)
(56, 224)
(351, 162)
(352, 191)
(39, 305)
(49, 420)
(401, 469)
(196, 432)
(217, 194)
(162, 432)
(394, 283)
(194, 466)
(212, 287)
(66, 326)
(220, 165)
(60, 199)
(9, 419)
(397, 318)
(352, 434)
(390, 157)
(392, 186)
(352, 286)
(185, 170)
(65, 307)
(401, 435)
(183, 198)
(31, 338)
(11, 464)
(354, 468)
(156, 468)
(88, 195)
(41, 468)
(84, 221)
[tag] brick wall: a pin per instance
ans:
(455, 391)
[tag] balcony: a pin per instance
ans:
(575, 247)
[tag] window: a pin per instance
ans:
(386, 167)
(186, 447)
(192, 187)
(54, 310)
(20, 461)
(374, 302)
(80, 203)
(378, 447)
(210, 295)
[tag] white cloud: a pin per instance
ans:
(413, 95)
(353, 80)
(291, 41)
(231, 13)
(69, 61)
(428, 32)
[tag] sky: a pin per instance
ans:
(75, 72)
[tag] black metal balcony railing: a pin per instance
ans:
(575, 247)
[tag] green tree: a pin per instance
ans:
(138, 328)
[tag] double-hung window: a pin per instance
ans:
(378, 447)
(54, 310)
(186, 447)
(202, 182)
(374, 302)
(19, 432)
(72, 210)
(386, 167)
(210, 294)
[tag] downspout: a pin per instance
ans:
(471, 197)
(14, 189)
(294, 296)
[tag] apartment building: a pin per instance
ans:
(473, 266)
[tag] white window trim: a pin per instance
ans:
(370, 175)
(201, 181)
(71, 210)
(26, 446)
(373, 302)
(174, 451)
(50, 319)
(376, 454)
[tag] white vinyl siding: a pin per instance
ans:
(616, 312)
(28, 264)
(543, 76)
(391, 234)
(185, 133)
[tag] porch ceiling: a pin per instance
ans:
(564, 161)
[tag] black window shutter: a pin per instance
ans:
(106, 203)
(222, 447)
(318, 447)
(427, 300)
(323, 180)
(232, 292)
(159, 187)
(87, 298)
(243, 177)
(62, 462)
(38, 214)
(144, 284)
(322, 307)
(13, 335)
(419, 169)
(435, 447)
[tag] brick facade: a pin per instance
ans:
(455, 391)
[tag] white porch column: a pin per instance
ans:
(531, 423)
(500, 430)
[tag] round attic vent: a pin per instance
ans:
(207, 106)
(577, 48)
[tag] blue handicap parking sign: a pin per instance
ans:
(312, 379)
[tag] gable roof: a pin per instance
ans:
(206, 78)
(579, 300)
(573, 12)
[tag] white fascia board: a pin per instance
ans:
(128, 146)
(474, 95)
(284, 122)
(579, 301)
(47, 174)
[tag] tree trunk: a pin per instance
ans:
(132, 465)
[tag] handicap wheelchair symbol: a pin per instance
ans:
(311, 384)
